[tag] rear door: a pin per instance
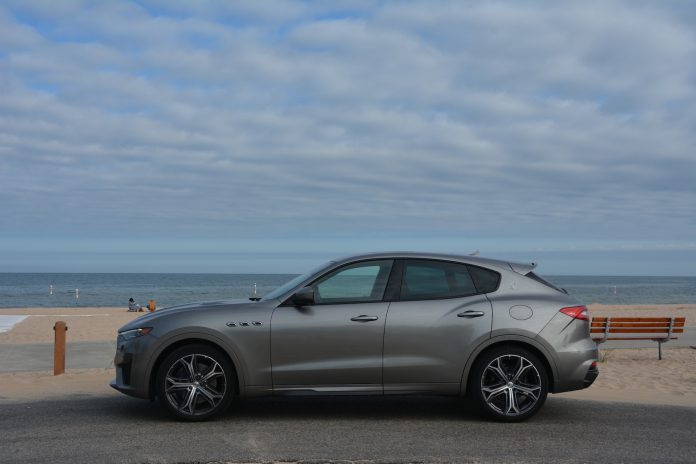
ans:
(440, 316)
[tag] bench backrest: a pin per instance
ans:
(637, 325)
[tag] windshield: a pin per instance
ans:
(286, 287)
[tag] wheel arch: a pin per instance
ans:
(519, 341)
(182, 340)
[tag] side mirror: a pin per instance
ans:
(303, 297)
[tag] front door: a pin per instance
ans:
(336, 343)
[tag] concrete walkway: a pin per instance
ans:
(39, 356)
(84, 355)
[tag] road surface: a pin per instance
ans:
(116, 428)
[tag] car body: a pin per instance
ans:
(373, 324)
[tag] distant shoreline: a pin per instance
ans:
(159, 306)
(273, 274)
(78, 290)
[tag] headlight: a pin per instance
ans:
(131, 334)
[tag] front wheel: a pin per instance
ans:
(196, 382)
(508, 384)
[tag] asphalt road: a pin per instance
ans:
(397, 429)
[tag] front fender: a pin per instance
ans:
(195, 333)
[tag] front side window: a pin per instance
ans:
(427, 280)
(356, 283)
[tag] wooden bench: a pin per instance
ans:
(657, 329)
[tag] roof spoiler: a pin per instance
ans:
(522, 268)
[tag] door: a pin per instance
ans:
(336, 343)
(439, 318)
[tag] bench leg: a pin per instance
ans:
(659, 351)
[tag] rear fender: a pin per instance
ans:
(523, 340)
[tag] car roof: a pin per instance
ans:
(521, 268)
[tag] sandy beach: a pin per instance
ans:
(84, 324)
(626, 375)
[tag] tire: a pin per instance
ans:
(196, 382)
(508, 384)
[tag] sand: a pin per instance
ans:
(84, 324)
(663, 310)
(626, 375)
(637, 376)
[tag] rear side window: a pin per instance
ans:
(427, 280)
(486, 281)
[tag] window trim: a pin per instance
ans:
(392, 292)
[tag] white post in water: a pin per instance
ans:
(254, 296)
(50, 289)
(77, 293)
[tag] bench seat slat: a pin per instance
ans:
(636, 338)
(630, 325)
(639, 319)
(636, 330)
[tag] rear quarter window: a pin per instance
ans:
(486, 281)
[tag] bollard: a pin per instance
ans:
(151, 305)
(59, 348)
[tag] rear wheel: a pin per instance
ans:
(508, 384)
(196, 382)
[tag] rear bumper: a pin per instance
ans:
(591, 374)
(573, 351)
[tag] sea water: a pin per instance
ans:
(70, 290)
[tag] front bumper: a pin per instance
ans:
(131, 361)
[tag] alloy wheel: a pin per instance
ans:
(195, 384)
(511, 385)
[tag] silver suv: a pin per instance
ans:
(385, 323)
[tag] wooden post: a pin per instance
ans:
(59, 348)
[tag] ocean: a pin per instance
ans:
(59, 290)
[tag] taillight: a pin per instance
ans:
(576, 312)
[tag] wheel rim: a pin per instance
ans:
(195, 384)
(511, 385)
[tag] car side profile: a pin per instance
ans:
(374, 324)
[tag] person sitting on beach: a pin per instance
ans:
(134, 307)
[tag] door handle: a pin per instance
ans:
(471, 314)
(364, 318)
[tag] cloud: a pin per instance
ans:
(479, 119)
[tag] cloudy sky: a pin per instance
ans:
(268, 136)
